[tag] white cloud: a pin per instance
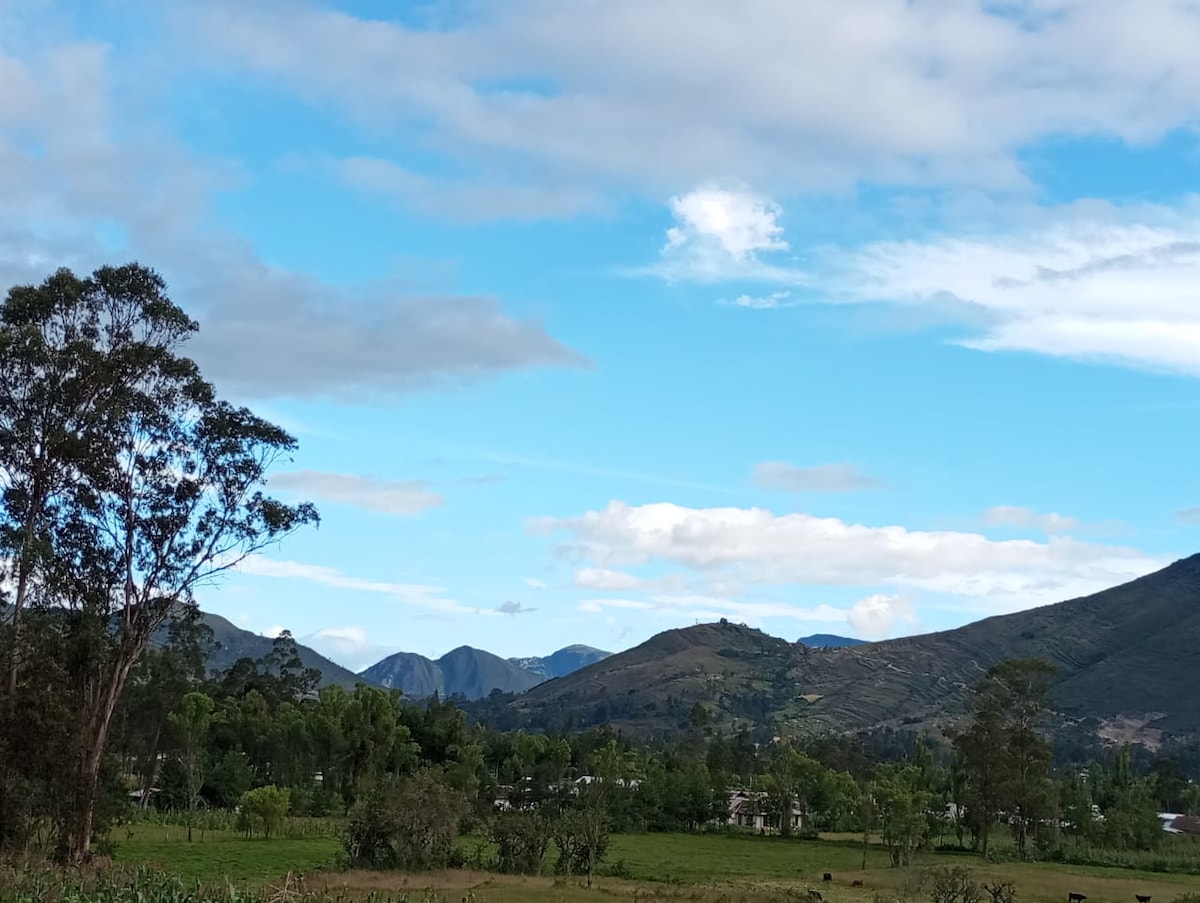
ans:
(1027, 518)
(387, 496)
(595, 606)
(737, 223)
(273, 631)
(1108, 285)
(350, 646)
(603, 578)
(1189, 515)
(720, 233)
(535, 583)
(758, 547)
(821, 478)
(875, 617)
(773, 301)
(705, 607)
(660, 96)
(416, 594)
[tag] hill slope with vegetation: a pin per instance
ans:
(1124, 655)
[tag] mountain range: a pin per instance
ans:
(828, 641)
(475, 673)
(1127, 659)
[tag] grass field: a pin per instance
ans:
(217, 854)
(700, 868)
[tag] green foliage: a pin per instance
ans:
(521, 840)
(1005, 759)
(146, 885)
(263, 809)
(582, 838)
(900, 805)
(406, 823)
(128, 483)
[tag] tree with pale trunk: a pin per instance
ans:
(127, 485)
(191, 725)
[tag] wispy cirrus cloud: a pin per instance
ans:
(1028, 518)
(1189, 515)
(773, 301)
(406, 497)
(424, 596)
(842, 477)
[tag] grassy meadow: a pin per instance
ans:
(642, 867)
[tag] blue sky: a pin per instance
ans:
(598, 319)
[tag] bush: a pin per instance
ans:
(582, 840)
(263, 809)
(409, 824)
(953, 885)
(522, 839)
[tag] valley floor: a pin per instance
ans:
(649, 866)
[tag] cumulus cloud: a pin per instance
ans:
(821, 478)
(660, 96)
(386, 496)
(721, 233)
(758, 547)
(876, 616)
(1027, 518)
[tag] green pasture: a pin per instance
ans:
(637, 867)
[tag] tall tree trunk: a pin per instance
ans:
(96, 727)
(151, 771)
(22, 591)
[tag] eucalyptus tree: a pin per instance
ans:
(128, 485)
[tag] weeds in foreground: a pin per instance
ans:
(36, 884)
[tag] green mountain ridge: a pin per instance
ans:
(1129, 654)
(471, 673)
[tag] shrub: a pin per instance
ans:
(263, 809)
(522, 839)
(582, 840)
(953, 885)
(408, 823)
